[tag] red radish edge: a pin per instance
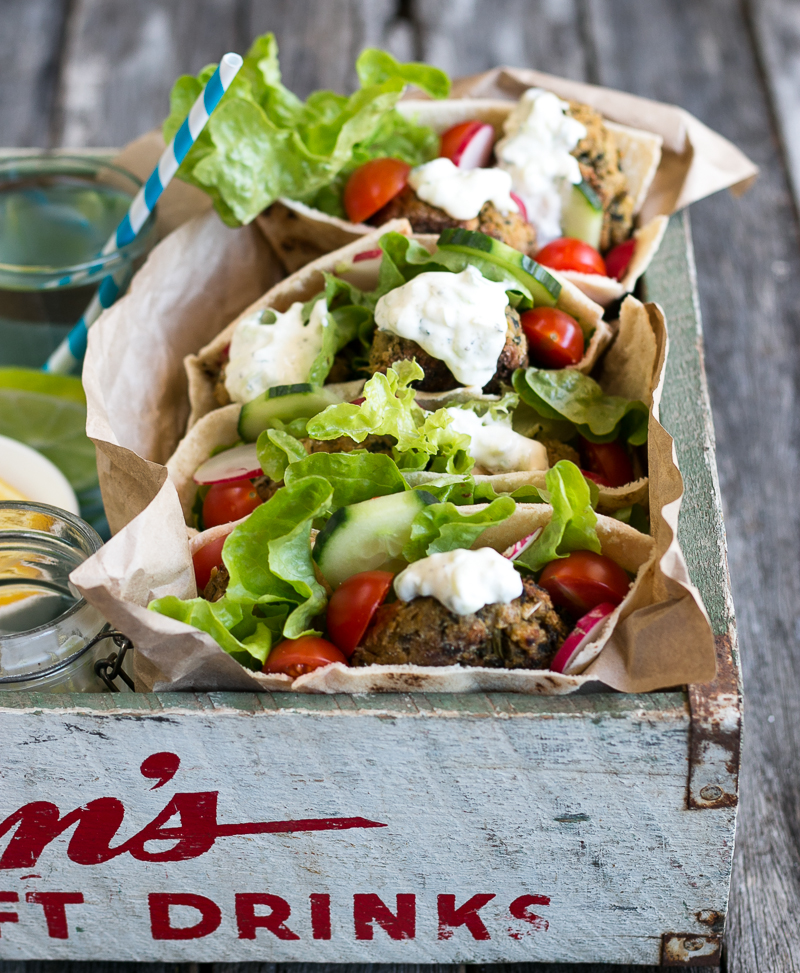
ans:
(523, 211)
(476, 149)
(239, 463)
(585, 629)
(367, 255)
(596, 478)
(513, 552)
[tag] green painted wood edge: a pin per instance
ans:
(671, 281)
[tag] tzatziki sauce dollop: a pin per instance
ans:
(461, 193)
(494, 445)
(458, 318)
(463, 581)
(281, 353)
(539, 137)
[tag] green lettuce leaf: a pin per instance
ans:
(263, 142)
(566, 394)
(268, 556)
(442, 527)
(375, 66)
(276, 449)
(423, 441)
(235, 627)
(353, 476)
(572, 526)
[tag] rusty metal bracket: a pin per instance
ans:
(689, 949)
(715, 734)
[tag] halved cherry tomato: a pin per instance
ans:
(205, 560)
(582, 580)
(565, 253)
(372, 185)
(353, 605)
(555, 339)
(225, 502)
(294, 657)
(618, 259)
(608, 460)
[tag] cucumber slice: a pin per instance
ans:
(544, 288)
(367, 535)
(287, 402)
(582, 218)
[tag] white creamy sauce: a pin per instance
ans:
(457, 318)
(462, 192)
(494, 445)
(265, 355)
(539, 137)
(463, 581)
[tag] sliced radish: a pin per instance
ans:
(583, 633)
(523, 212)
(468, 145)
(368, 255)
(238, 463)
(513, 552)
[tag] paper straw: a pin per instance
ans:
(72, 349)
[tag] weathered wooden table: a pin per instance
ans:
(96, 72)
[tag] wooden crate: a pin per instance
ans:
(394, 828)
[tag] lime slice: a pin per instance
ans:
(55, 426)
(30, 380)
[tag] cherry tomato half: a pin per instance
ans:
(555, 339)
(353, 605)
(609, 460)
(582, 580)
(294, 657)
(618, 259)
(372, 185)
(596, 478)
(205, 560)
(225, 502)
(569, 254)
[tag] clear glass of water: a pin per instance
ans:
(56, 214)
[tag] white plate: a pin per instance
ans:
(34, 475)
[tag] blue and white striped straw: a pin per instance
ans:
(72, 349)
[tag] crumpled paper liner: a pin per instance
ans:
(192, 284)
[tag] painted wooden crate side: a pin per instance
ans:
(585, 818)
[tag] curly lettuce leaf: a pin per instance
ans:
(566, 394)
(423, 440)
(263, 142)
(235, 627)
(353, 476)
(268, 556)
(442, 527)
(573, 524)
(276, 449)
(375, 66)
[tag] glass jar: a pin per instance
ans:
(56, 214)
(46, 626)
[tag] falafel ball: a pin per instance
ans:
(388, 348)
(510, 228)
(524, 634)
